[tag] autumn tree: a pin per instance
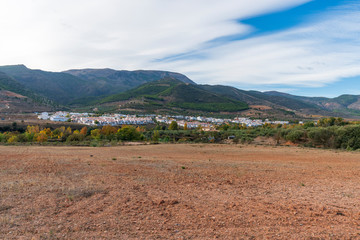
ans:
(48, 132)
(108, 130)
(75, 136)
(12, 139)
(58, 132)
(68, 131)
(32, 129)
(42, 136)
(83, 131)
(30, 132)
(140, 129)
(95, 134)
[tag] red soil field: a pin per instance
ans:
(178, 191)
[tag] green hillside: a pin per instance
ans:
(171, 93)
(345, 105)
(7, 83)
(260, 98)
(10, 84)
(143, 90)
(84, 85)
(59, 87)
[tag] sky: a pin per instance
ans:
(302, 47)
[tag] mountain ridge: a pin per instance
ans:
(83, 87)
(65, 87)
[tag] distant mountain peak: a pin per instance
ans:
(111, 74)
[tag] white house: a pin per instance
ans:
(56, 118)
(44, 116)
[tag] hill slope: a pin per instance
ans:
(66, 87)
(14, 97)
(139, 90)
(59, 87)
(170, 94)
(344, 105)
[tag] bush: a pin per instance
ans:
(12, 139)
(322, 136)
(2, 137)
(295, 135)
(348, 137)
(75, 137)
(128, 133)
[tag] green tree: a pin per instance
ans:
(156, 136)
(128, 133)
(173, 126)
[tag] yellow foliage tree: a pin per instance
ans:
(12, 139)
(95, 133)
(41, 136)
(68, 131)
(32, 129)
(47, 132)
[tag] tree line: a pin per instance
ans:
(326, 133)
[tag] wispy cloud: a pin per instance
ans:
(311, 55)
(116, 33)
(179, 36)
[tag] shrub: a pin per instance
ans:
(322, 136)
(75, 137)
(2, 137)
(295, 135)
(348, 137)
(128, 133)
(12, 139)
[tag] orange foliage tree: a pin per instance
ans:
(83, 131)
(107, 130)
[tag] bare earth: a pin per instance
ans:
(178, 192)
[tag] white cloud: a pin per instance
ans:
(123, 34)
(313, 55)
(132, 34)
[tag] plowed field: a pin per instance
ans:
(178, 191)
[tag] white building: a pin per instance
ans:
(56, 118)
(44, 116)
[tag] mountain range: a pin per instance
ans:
(25, 90)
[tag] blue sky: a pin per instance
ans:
(304, 47)
(291, 18)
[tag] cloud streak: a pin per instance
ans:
(178, 35)
(312, 55)
(121, 34)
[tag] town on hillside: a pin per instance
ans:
(191, 122)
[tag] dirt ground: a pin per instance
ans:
(178, 191)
